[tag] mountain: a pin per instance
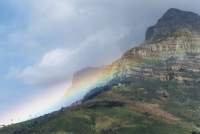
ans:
(151, 89)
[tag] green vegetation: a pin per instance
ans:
(137, 107)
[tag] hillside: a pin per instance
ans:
(151, 89)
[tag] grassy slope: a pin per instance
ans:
(134, 107)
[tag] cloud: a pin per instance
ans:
(60, 64)
(49, 69)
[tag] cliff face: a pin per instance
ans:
(171, 46)
(178, 52)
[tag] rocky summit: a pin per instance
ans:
(171, 21)
(152, 89)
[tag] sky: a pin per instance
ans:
(44, 42)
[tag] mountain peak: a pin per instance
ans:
(172, 21)
(172, 11)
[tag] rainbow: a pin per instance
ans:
(54, 98)
(63, 95)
